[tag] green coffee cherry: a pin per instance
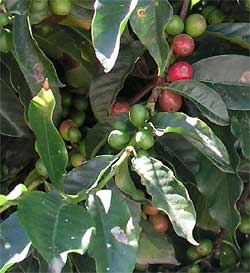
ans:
(175, 26)
(194, 269)
(144, 139)
(5, 40)
(60, 7)
(38, 5)
(81, 103)
(216, 17)
(4, 19)
(66, 99)
(74, 135)
(40, 168)
(192, 254)
(246, 250)
(77, 159)
(118, 139)
(195, 25)
(120, 125)
(205, 247)
(207, 10)
(227, 257)
(82, 148)
(78, 118)
(138, 115)
(245, 224)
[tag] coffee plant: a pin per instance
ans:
(124, 131)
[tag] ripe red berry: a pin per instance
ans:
(183, 45)
(120, 107)
(160, 222)
(180, 71)
(170, 101)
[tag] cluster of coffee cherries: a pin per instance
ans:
(183, 45)
(5, 32)
(120, 136)
(213, 15)
(58, 7)
(160, 221)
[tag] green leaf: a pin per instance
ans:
(168, 194)
(229, 76)
(11, 113)
(155, 248)
(240, 127)
(14, 244)
(221, 190)
(238, 33)
(125, 183)
(206, 99)
(85, 177)
(115, 233)
(49, 142)
(198, 133)
(107, 28)
(148, 21)
(105, 87)
(54, 226)
(34, 64)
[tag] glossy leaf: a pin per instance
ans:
(198, 133)
(229, 76)
(240, 127)
(11, 113)
(14, 244)
(168, 194)
(155, 248)
(206, 99)
(54, 226)
(34, 64)
(105, 87)
(221, 190)
(107, 28)
(125, 183)
(148, 21)
(85, 177)
(238, 33)
(115, 233)
(49, 143)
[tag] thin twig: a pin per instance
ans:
(141, 93)
(184, 9)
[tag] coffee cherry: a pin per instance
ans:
(120, 107)
(160, 222)
(60, 7)
(245, 224)
(66, 99)
(138, 115)
(74, 135)
(216, 17)
(170, 101)
(192, 254)
(205, 247)
(65, 126)
(246, 250)
(40, 168)
(4, 19)
(5, 40)
(81, 103)
(77, 159)
(207, 10)
(38, 6)
(120, 125)
(175, 26)
(183, 45)
(227, 257)
(194, 269)
(195, 25)
(180, 71)
(118, 139)
(82, 148)
(149, 209)
(144, 139)
(78, 118)
(78, 77)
